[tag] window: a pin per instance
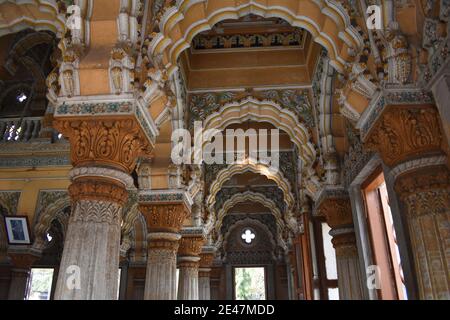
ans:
(40, 284)
(249, 283)
(248, 236)
(383, 238)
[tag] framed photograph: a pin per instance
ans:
(17, 229)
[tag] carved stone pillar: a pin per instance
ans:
(426, 196)
(204, 273)
(165, 214)
(103, 152)
(188, 262)
(410, 140)
(338, 214)
(20, 272)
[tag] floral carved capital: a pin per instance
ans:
(191, 246)
(338, 212)
(164, 217)
(406, 132)
(206, 259)
(113, 142)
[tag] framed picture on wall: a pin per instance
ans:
(17, 230)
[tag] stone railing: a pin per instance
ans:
(22, 130)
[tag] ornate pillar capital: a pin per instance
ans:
(405, 132)
(191, 244)
(102, 141)
(337, 211)
(164, 211)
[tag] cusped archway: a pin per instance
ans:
(275, 175)
(326, 20)
(251, 109)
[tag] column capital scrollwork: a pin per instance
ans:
(191, 246)
(114, 142)
(337, 211)
(164, 217)
(425, 191)
(404, 132)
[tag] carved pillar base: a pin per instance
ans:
(189, 261)
(349, 275)
(161, 273)
(90, 261)
(426, 195)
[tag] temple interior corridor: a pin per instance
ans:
(224, 150)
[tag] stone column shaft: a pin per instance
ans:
(426, 195)
(347, 263)
(90, 262)
(188, 285)
(161, 282)
(339, 217)
(164, 221)
(189, 263)
(204, 284)
(103, 153)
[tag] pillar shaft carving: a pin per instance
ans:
(426, 196)
(161, 273)
(103, 152)
(405, 132)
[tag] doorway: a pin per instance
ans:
(250, 283)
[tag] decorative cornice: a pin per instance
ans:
(165, 196)
(389, 97)
(105, 106)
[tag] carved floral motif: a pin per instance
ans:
(114, 142)
(164, 217)
(402, 133)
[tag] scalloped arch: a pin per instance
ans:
(248, 196)
(228, 172)
(264, 111)
(326, 20)
(38, 15)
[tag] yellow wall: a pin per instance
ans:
(30, 181)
